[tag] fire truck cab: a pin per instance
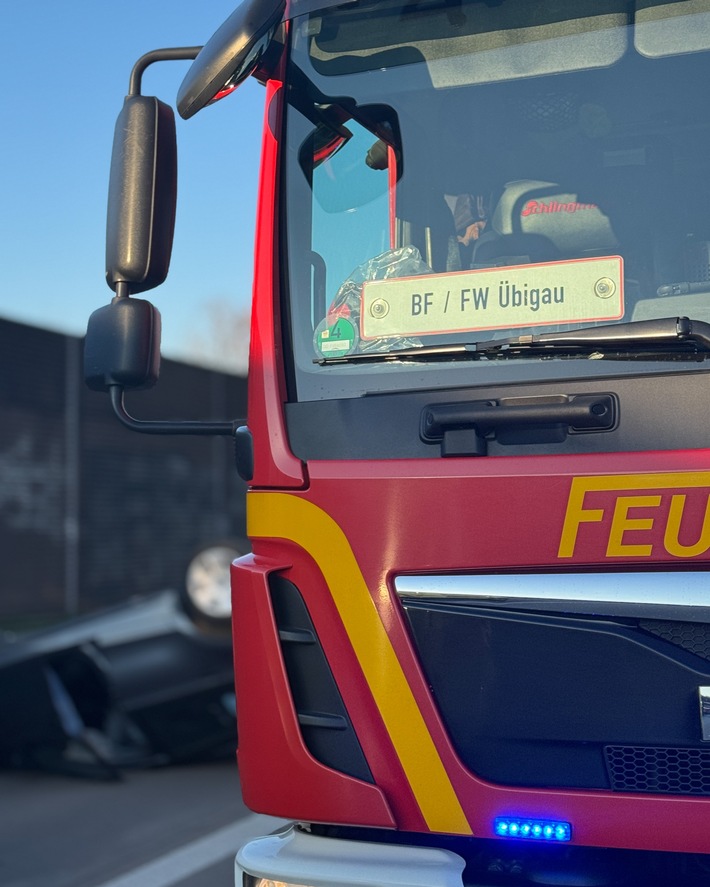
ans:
(472, 642)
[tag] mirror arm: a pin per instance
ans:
(168, 427)
(179, 53)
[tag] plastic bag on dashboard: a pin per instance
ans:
(338, 334)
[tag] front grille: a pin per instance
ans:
(664, 771)
(691, 636)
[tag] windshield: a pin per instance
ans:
(473, 171)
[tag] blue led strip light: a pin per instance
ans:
(532, 829)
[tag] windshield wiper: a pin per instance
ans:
(423, 352)
(668, 335)
(636, 336)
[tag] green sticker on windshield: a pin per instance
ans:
(335, 338)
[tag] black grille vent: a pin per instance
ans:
(325, 724)
(691, 636)
(664, 771)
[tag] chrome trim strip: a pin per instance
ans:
(668, 588)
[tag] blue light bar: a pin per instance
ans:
(532, 829)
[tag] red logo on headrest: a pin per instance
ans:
(534, 207)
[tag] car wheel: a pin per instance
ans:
(207, 592)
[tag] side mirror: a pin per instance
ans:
(142, 195)
(230, 55)
(122, 346)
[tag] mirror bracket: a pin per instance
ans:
(171, 54)
(169, 426)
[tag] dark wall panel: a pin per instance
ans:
(90, 512)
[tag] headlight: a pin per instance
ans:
(250, 881)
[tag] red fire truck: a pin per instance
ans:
(472, 641)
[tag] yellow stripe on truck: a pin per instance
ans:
(285, 516)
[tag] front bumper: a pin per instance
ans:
(295, 857)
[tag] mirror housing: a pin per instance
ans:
(122, 350)
(230, 55)
(142, 195)
(122, 345)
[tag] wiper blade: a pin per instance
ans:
(640, 335)
(668, 334)
(424, 352)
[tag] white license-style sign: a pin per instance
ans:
(495, 298)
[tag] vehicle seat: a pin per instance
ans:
(539, 222)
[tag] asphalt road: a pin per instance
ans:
(170, 827)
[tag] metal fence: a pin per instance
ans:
(90, 512)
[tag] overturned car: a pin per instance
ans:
(145, 683)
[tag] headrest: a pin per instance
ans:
(541, 208)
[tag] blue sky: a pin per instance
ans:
(64, 72)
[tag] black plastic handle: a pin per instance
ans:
(442, 423)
